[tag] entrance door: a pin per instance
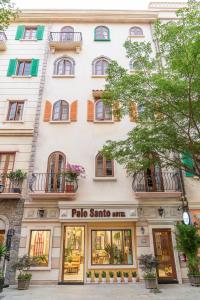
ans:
(166, 271)
(73, 254)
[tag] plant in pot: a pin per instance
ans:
(188, 242)
(103, 277)
(71, 175)
(96, 277)
(148, 264)
(111, 275)
(89, 276)
(3, 253)
(134, 276)
(119, 275)
(16, 179)
(126, 275)
(23, 265)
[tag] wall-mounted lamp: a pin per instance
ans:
(41, 212)
(161, 211)
(142, 230)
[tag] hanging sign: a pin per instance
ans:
(186, 218)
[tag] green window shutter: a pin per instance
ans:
(188, 162)
(20, 32)
(34, 67)
(40, 32)
(12, 67)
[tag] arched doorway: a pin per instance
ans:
(67, 33)
(56, 165)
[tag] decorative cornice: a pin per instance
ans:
(16, 132)
(166, 5)
(88, 16)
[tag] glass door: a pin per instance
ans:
(73, 254)
(163, 247)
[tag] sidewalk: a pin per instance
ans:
(101, 292)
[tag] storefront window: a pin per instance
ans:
(112, 247)
(39, 246)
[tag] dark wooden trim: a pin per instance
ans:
(9, 108)
(104, 160)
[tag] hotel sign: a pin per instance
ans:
(97, 213)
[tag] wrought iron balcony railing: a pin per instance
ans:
(3, 36)
(161, 181)
(65, 37)
(52, 183)
(9, 186)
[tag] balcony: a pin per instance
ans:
(157, 185)
(51, 186)
(65, 41)
(9, 189)
(3, 40)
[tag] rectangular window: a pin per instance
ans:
(23, 68)
(112, 247)
(39, 246)
(15, 111)
(30, 33)
(6, 162)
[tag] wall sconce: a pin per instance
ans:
(161, 211)
(2, 187)
(41, 212)
(142, 230)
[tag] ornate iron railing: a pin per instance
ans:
(3, 36)
(9, 186)
(156, 182)
(65, 37)
(52, 183)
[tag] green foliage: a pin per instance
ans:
(134, 274)
(166, 86)
(17, 175)
(24, 276)
(3, 251)
(126, 274)
(89, 274)
(148, 264)
(111, 274)
(96, 275)
(8, 13)
(103, 274)
(119, 274)
(188, 242)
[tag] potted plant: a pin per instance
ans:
(96, 277)
(3, 253)
(89, 276)
(188, 242)
(126, 275)
(111, 275)
(16, 180)
(134, 276)
(71, 174)
(148, 264)
(119, 275)
(103, 277)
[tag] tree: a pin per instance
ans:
(7, 13)
(165, 86)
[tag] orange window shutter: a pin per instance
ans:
(73, 111)
(90, 111)
(116, 111)
(47, 111)
(133, 112)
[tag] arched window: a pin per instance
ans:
(132, 65)
(100, 66)
(101, 33)
(103, 112)
(56, 165)
(103, 167)
(67, 33)
(60, 111)
(64, 66)
(135, 31)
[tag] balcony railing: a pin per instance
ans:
(3, 40)
(51, 183)
(157, 182)
(9, 186)
(65, 40)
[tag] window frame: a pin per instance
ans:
(31, 36)
(104, 112)
(96, 39)
(111, 230)
(135, 35)
(97, 60)
(62, 59)
(9, 110)
(19, 61)
(61, 108)
(104, 161)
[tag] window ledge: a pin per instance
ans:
(15, 76)
(59, 122)
(63, 76)
(115, 267)
(104, 122)
(29, 40)
(40, 269)
(99, 40)
(136, 36)
(99, 76)
(104, 179)
(13, 122)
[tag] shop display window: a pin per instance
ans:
(39, 246)
(112, 247)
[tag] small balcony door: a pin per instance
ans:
(55, 179)
(153, 179)
(164, 252)
(67, 34)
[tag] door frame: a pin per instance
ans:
(169, 232)
(63, 252)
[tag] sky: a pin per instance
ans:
(87, 4)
